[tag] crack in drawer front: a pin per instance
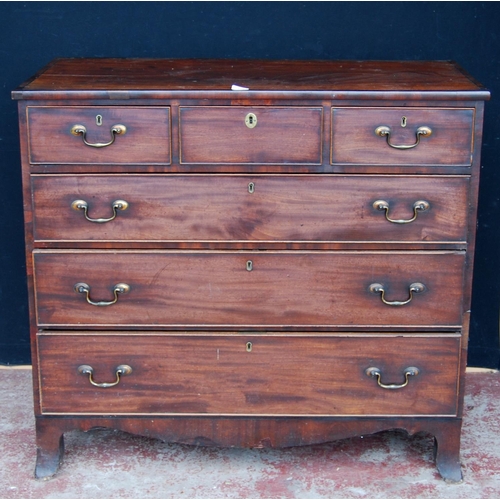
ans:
(250, 208)
(280, 135)
(447, 140)
(248, 289)
(57, 134)
(217, 374)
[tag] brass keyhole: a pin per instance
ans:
(251, 187)
(249, 347)
(251, 120)
(98, 120)
(403, 121)
(249, 265)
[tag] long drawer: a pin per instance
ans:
(236, 289)
(224, 208)
(58, 134)
(248, 374)
(402, 136)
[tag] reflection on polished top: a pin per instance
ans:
(180, 75)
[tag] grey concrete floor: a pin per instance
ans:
(111, 464)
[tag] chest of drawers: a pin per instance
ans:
(280, 263)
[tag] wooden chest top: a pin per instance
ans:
(110, 78)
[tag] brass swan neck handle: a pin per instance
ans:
(413, 288)
(385, 131)
(119, 372)
(418, 206)
(117, 289)
(375, 372)
(82, 131)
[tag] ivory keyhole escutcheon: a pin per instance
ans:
(249, 265)
(248, 347)
(403, 121)
(251, 120)
(98, 120)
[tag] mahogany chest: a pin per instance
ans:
(250, 253)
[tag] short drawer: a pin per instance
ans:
(250, 135)
(276, 290)
(58, 134)
(248, 374)
(402, 136)
(272, 209)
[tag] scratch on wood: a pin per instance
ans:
(157, 275)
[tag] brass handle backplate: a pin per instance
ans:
(418, 206)
(82, 130)
(411, 371)
(385, 131)
(117, 289)
(413, 288)
(119, 371)
(83, 205)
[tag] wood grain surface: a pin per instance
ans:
(146, 140)
(218, 134)
(181, 75)
(279, 376)
(354, 139)
(219, 208)
(285, 290)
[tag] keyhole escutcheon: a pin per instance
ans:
(251, 120)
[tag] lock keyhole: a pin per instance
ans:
(251, 120)
(249, 346)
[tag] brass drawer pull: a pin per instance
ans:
(420, 205)
(82, 130)
(385, 131)
(117, 289)
(83, 205)
(413, 288)
(411, 371)
(120, 370)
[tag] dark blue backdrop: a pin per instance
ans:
(33, 33)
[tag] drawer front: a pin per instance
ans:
(277, 290)
(262, 375)
(250, 208)
(219, 134)
(54, 139)
(355, 141)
